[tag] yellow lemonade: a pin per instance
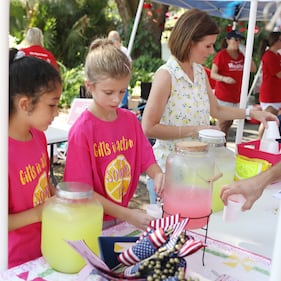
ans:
(64, 220)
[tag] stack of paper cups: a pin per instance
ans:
(268, 142)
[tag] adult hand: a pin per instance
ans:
(263, 116)
(249, 188)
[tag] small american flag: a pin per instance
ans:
(164, 223)
(144, 248)
(190, 247)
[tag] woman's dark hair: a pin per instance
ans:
(271, 39)
(30, 76)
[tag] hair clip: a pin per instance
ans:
(19, 55)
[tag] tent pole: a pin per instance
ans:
(247, 66)
(4, 49)
(136, 23)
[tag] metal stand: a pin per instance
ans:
(205, 237)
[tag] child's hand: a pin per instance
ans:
(159, 181)
(139, 218)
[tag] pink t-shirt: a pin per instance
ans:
(270, 90)
(110, 156)
(28, 187)
(227, 66)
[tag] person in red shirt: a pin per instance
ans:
(227, 70)
(34, 39)
(270, 89)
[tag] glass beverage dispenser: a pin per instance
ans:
(188, 183)
(73, 214)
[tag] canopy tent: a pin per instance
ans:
(239, 10)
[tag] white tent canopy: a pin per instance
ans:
(228, 9)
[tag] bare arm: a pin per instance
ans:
(252, 188)
(25, 218)
(278, 74)
(218, 77)
(231, 113)
(155, 172)
(136, 217)
(253, 66)
(30, 216)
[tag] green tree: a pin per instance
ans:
(148, 36)
(68, 26)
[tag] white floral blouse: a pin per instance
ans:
(188, 105)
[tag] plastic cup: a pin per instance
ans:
(233, 209)
(269, 146)
(272, 131)
(154, 211)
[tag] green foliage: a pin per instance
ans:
(68, 26)
(143, 43)
(144, 68)
(72, 80)
(18, 20)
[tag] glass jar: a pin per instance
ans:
(224, 159)
(188, 183)
(72, 214)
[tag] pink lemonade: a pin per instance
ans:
(189, 202)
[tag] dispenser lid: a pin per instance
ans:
(74, 190)
(192, 146)
(212, 136)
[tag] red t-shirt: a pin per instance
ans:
(230, 67)
(270, 90)
(41, 53)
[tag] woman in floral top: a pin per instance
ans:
(181, 100)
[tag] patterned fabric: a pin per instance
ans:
(167, 235)
(144, 249)
(188, 105)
